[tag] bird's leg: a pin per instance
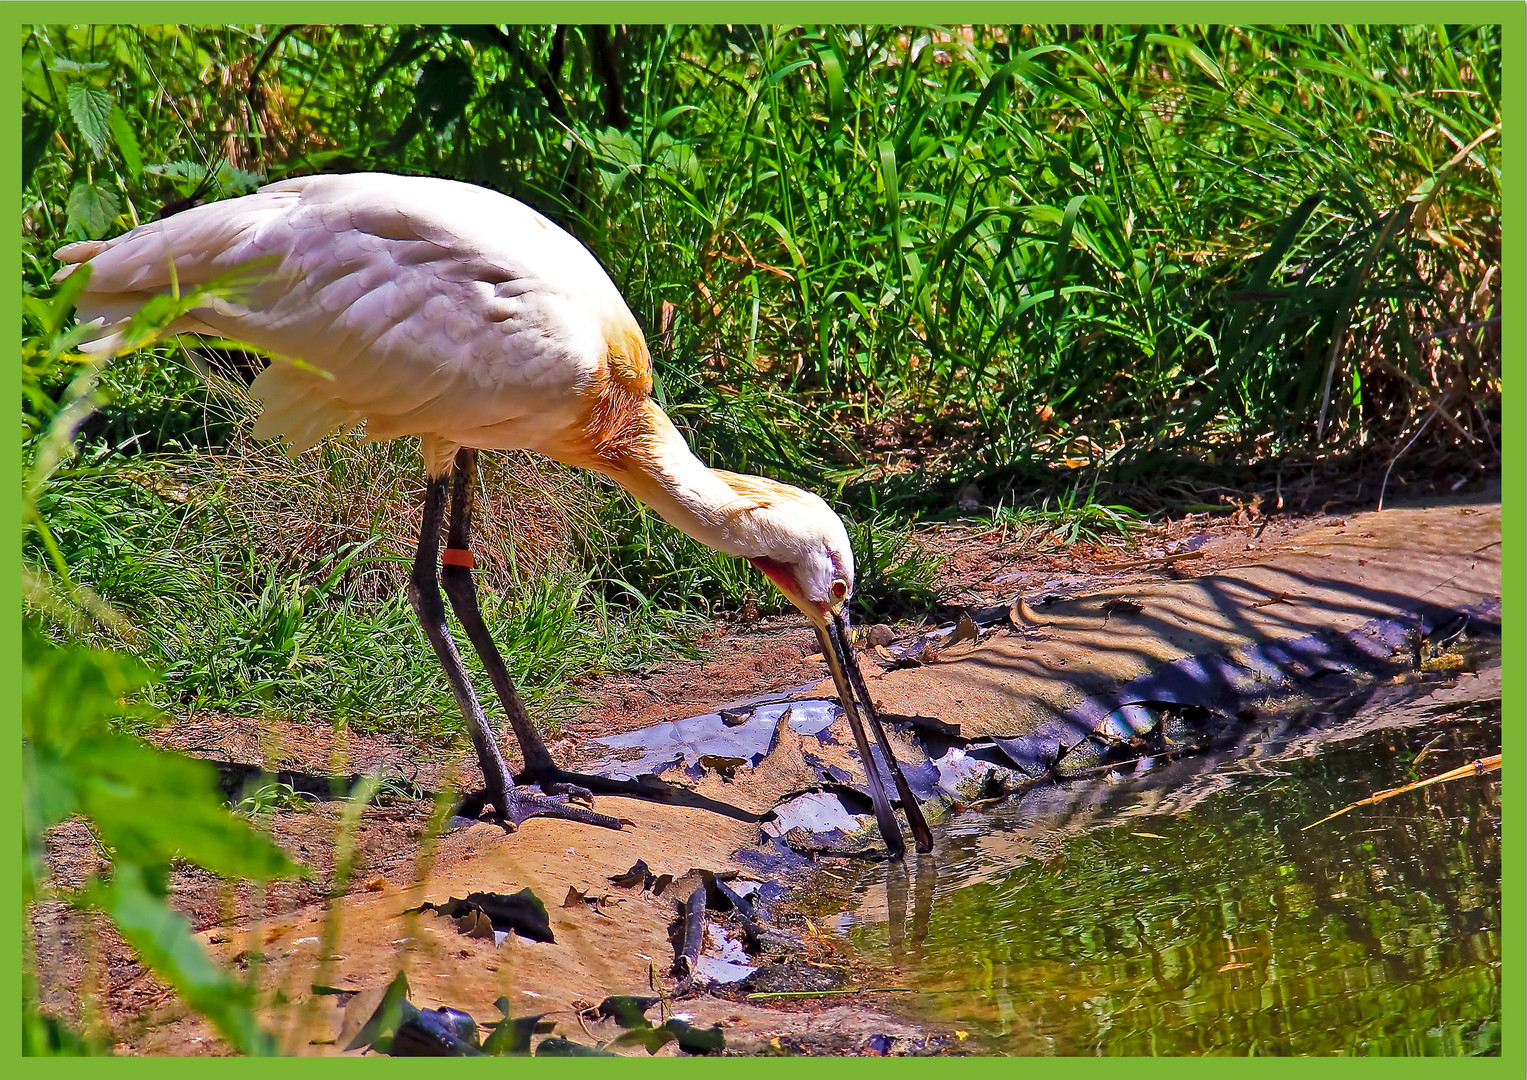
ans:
(456, 577)
(424, 594)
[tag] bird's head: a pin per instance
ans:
(791, 535)
(799, 544)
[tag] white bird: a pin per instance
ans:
(432, 308)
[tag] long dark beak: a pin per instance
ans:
(838, 650)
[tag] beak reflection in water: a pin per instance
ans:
(837, 649)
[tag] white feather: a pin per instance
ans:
(438, 308)
(446, 311)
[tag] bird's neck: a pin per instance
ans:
(662, 471)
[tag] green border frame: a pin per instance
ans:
(1512, 14)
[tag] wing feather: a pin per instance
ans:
(438, 308)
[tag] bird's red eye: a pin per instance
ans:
(840, 588)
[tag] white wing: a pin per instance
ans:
(438, 308)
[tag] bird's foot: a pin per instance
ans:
(574, 792)
(516, 805)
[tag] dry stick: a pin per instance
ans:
(1436, 407)
(1161, 560)
(1424, 425)
(828, 993)
(1453, 162)
(1478, 767)
(1427, 748)
(1452, 330)
(694, 935)
(861, 990)
(1490, 438)
(1424, 392)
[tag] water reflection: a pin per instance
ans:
(1112, 919)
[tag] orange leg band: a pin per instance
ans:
(457, 557)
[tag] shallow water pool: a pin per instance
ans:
(1188, 910)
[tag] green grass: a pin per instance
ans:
(1073, 264)
(1070, 518)
(238, 629)
(1106, 247)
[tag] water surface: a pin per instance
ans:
(1189, 911)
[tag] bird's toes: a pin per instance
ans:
(557, 806)
(572, 792)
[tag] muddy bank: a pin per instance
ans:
(1081, 675)
(1124, 670)
(1347, 598)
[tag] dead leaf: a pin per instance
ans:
(576, 896)
(522, 912)
(964, 630)
(474, 924)
(1160, 560)
(1020, 616)
(636, 877)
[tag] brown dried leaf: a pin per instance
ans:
(965, 630)
(474, 924)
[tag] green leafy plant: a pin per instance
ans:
(272, 796)
(149, 807)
